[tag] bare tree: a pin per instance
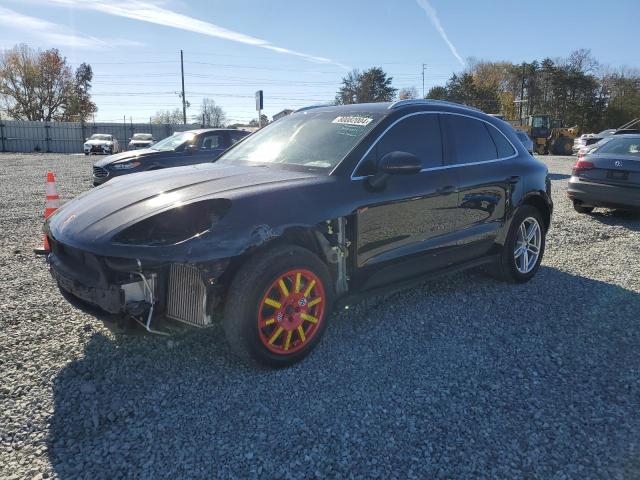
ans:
(168, 117)
(582, 61)
(408, 93)
(211, 114)
(36, 85)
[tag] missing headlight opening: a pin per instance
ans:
(176, 225)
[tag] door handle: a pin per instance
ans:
(514, 179)
(446, 190)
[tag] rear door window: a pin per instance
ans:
(416, 134)
(469, 139)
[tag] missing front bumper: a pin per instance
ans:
(128, 289)
(113, 298)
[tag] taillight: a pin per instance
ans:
(581, 166)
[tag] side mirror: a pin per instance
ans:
(395, 163)
(191, 148)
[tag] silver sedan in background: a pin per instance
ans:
(608, 176)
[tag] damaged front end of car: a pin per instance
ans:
(156, 278)
(121, 290)
(184, 269)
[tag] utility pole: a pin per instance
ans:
(522, 92)
(423, 67)
(184, 100)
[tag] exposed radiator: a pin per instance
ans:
(187, 296)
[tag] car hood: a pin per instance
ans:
(104, 211)
(98, 142)
(124, 156)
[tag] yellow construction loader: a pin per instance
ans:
(548, 135)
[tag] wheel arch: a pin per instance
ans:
(314, 238)
(540, 203)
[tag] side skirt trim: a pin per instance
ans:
(413, 281)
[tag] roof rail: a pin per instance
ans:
(629, 124)
(310, 107)
(427, 101)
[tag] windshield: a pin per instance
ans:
(313, 138)
(141, 136)
(173, 142)
(540, 122)
(98, 136)
(622, 146)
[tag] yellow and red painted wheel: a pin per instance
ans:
(291, 311)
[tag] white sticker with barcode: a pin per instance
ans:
(353, 120)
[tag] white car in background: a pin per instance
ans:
(101, 143)
(588, 139)
(140, 140)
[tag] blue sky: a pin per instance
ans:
(298, 51)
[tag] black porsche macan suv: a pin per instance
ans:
(319, 208)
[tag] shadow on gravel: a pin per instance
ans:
(558, 176)
(627, 219)
(461, 377)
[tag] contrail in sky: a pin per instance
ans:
(433, 16)
(56, 34)
(148, 11)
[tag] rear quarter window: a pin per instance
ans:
(503, 146)
(236, 137)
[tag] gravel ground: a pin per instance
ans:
(461, 377)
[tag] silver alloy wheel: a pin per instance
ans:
(528, 243)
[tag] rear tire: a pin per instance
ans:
(265, 326)
(581, 208)
(509, 265)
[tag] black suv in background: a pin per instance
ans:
(324, 205)
(181, 148)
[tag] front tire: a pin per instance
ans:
(522, 252)
(278, 306)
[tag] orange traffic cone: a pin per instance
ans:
(51, 204)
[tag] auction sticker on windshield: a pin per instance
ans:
(353, 120)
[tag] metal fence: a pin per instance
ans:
(68, 137)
